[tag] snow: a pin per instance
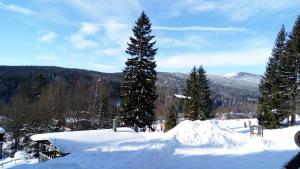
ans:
(21, 155)
(211, 144)
(231, 74)
(11, 162)
(74, 141)
(181, 96)
(2, 131)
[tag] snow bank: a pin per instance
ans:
(74, 141)
(21, 155)
(214, 134)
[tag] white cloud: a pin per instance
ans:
(110, 52)
(83, 39)
(102, 10)
(199, 28)
(235, 9)
(112, 16)
(15, 8)
(254, 57)
(47, 57)
(89, 29)
(48, 37)
(80, 42)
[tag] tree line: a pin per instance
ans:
(42, 105)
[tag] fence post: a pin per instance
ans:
(114, 125)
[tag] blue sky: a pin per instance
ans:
(223, 35)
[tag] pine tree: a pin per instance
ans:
(171, 119)
(198, 103)
(293, 62)
(205, 102)
(191, 93)
(138, 89)
(272, 86)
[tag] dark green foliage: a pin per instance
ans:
(279, 85)
(191, 106)
(205, 102)
(293, 68)
(198, 103)
(171, 119)
(138, 89)
(289, 70)
(271, 103)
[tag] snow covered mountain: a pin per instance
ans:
(244, 76)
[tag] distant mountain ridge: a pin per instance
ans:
(252, 78)
(230, 93)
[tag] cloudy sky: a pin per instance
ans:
(223, 35)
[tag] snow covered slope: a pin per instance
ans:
(211, 144)
(244, 76)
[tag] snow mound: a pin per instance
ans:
(21, 155)
(211, 134)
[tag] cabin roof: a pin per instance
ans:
(73, 141)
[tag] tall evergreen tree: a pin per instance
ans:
(272, 102)
(138, 89)
(204, 95)
(191, 93)
(198, 102)
(293, 62)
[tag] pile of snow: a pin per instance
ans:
(74, 141)
(208, 134)
(21, 155)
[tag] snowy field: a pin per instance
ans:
(211, 144)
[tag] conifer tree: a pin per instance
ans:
(138, 89)
(171, 119)
(204, 95)
(198, 103)
(292, 69)
(272, 107)
(191, 93)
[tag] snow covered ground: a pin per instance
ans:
(211, 144)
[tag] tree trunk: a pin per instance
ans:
(293, 120)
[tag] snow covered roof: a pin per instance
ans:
(73, 141)
(2, 131)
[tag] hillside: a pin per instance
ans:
(238, 92)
